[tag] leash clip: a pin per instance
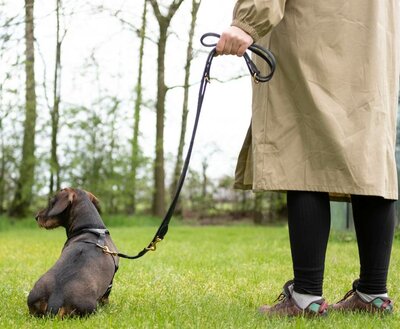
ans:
(255, 79)
(153, 244)
(106, 250)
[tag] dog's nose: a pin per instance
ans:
(37, 217)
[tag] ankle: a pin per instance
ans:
(368, 298)
(303, 300)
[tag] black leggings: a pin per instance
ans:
(309, 225)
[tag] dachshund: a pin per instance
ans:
(82, 277)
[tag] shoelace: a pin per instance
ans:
(285, 294)
(347, 295)
(281, 298)
(351, 292)
(384, 304)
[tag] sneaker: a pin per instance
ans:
(353, 302)
(287, 306)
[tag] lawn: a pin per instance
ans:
(199, 277)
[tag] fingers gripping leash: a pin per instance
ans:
(265, 54)
(269, 58)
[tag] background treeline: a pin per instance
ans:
(48, 142)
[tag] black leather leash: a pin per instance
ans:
(268, 57)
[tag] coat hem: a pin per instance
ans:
(335, 193)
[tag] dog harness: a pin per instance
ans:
(100, 243)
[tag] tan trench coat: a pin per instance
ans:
(327, 120)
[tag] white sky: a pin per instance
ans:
(226, 109)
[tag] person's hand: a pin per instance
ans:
(233, 41)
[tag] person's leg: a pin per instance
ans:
(309, 225)
(374, 220)
(374, 224)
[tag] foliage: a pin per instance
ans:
(99, 163)
(11, 224)
(206, 199)
(96, 129)
(199, 277)
(23, 193)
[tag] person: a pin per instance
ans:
(324, 128)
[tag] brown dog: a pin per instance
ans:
(82, 276)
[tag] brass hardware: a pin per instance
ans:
(153, 244)
(106, 250)
(255, 78)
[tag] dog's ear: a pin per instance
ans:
(94, 200)
(61, 201)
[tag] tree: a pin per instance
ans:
(4, 156)
(185, 111)
(23, 193)
(136, 116)
(7, 24)
(158, 205)
(55, 112)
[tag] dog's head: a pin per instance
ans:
(57, 212)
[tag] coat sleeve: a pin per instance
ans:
(258, 17)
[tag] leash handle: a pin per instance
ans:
(258, 50)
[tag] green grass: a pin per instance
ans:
(199, 277)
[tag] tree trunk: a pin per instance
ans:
(204, 182)
(185, 111)
(23, 194)
(110, 165)
(55, 114)
(2, 167)
(158, 206)
(138, 103)
(159, 173)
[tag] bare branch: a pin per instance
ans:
(156, 9)
(46, 97)
(237, 77)
(173, 8)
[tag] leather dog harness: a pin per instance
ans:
(100, 243)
